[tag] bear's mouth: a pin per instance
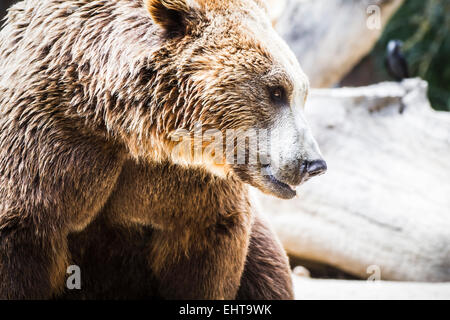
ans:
(277, 187)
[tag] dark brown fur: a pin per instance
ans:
(88, 99)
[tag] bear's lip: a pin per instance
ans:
(277, 187)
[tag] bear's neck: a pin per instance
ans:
(193, 195)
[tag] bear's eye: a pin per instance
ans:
(278, 95)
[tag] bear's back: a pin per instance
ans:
(52, 36)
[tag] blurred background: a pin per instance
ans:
(382, 211)
(5, 4)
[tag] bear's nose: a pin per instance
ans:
(316, 167)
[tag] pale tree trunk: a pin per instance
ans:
(4, 5)
(330, 37)
(385, 200)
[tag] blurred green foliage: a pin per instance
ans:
(424, 27)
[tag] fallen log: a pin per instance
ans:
(385, 200)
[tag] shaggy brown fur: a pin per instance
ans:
(90, 93)
(182, 247)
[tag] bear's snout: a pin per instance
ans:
(296, 172)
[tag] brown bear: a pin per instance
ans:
(93, 94)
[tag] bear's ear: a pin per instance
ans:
(169, 15)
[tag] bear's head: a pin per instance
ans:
(222, 76)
